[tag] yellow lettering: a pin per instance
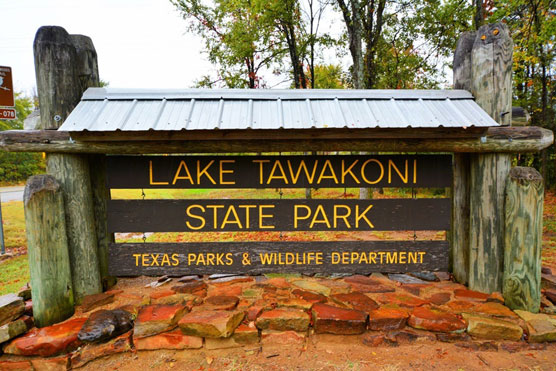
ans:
(304, 167)
(296, 216)
(391, 257)
(392, 165)
(421, 255)
(136, 256)
(210, 258)
(175, 260)
(151, 181)
(335, 257)
(247, 207)
(226, 171)
(198, 217)
(320, 210)
(215, 215)
(348, 171)
(363, 171)
(358, 216)
(328, 165)
(187, 173)
(261, 175)
(344, 217)
(415, 171)
(412, 258)
(231, 210)
(277, 165)
(165, 260)
(200, 172)
(229, 260)
(261, 216)
(402, 257)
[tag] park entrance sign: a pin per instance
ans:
(107, 139)
(227, 215)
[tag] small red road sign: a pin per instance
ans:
(7, 114)
(6, 87)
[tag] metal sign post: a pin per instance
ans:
(2, 246)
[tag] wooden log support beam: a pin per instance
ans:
(523, 239)
(460, 218)
(47, 246)
(491, 85)
(486, 221)
(101, 195)
(72, 171)
(65, 65)
(497, 139)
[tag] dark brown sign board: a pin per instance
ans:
(6, 87)
(175, 259)
(278, 215)
(326, 171)
(7, 114)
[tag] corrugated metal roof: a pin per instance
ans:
(109, 110)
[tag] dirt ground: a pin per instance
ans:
(334, 353)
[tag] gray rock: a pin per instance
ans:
(12, 329)
(11, 307)
(425, 276)
(405, 278)
(104, 325)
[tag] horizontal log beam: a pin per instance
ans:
(498, 139)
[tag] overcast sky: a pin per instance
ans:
(140, 43)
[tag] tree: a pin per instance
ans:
(235, 39)
(532, 24)
(401, 43)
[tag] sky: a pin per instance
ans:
(139, 43)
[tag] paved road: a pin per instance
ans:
(8, 194)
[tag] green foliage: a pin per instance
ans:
(533, 28)
(16, 166)
(329, 76)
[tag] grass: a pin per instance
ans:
(14, 273)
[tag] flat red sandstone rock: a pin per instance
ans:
(431, 319)
(387, 319)
(91, 352)
(356, 300)
(154, 319)
(169, 340)
(222, 302)
(470, 295)
(310, 296)
(48, 341)
(284, 319)
(215, 324)
(334, 320)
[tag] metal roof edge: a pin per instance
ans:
(269, 94)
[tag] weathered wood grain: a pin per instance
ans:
(462, 61)
(486, 222)
(101, 195)
(57, 76)
(460, 218)
(502, 139)
(491, 71)
(47, 247)
(210, 215)
(72, 172)
(133, 259)
(523, 239)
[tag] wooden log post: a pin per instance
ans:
(491, 74)
(523, 239)
(47, 246)
(58, 70)
(88, 76)
(459, 257)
